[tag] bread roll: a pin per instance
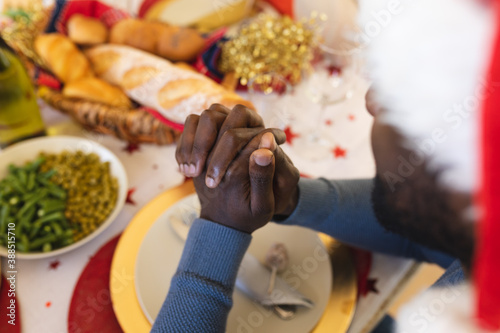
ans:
(62, 57)
(173, 43)
(85, 30)
(97, 90)
(174, 91)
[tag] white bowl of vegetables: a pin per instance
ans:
(56, 194)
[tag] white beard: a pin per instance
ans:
(425, 60)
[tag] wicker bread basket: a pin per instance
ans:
(134, 125)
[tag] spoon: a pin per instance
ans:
(180, 225)
(277, 261)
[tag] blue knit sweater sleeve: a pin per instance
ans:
(201, 290)
(343, 210)
(200, 295)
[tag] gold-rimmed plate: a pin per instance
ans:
(335, 318)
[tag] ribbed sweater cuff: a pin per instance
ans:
(316, 202)
(214, 251)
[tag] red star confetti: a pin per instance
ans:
(48, 304)
(371, 286)
(338, 152)
(290, 136)
(351, 117)
(54, 264)
(131, 148)
(129, 200)
(328, 122)
(333, 70)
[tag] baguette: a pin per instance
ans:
(62, 57)
(174, 91)
(86, 30)
(97, 90)
(170, 42)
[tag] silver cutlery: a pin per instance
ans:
(247, 283)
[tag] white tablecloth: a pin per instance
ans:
(45, 286)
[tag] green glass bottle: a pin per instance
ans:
(19, 113)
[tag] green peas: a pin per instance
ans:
(91, 190)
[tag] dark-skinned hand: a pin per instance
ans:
(244, 199)
(213, 142)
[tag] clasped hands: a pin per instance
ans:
(241, 175)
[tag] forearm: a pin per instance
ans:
(200, 295)
(343, 209)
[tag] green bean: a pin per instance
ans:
(22, 247)
(57, 228)
(47, 175)
(34, 230)
(40, 241)
(67, 241)
(31, 180)
(12, 168)
(22, 176)
(32, 202)
(25, 243)
(33, 166)
(51, 205)
(3, 217)
(15, 183)
(46, 247)
(7, 189)
(50, 217)
(57, 192)
(26, 218)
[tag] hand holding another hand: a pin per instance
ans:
(241, 174)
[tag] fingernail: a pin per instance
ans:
(267, 141)
(198, 168)
(263, 157)
(210, 182)
(191, 169)
(183, 168)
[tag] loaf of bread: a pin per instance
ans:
(85, 30)
(97, 90)
(170, 42)
(174, 91)
(62, 57)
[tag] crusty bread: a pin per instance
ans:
(85, 30)
(170, 42)
(97, 90)
(173, 90)
(62, 57)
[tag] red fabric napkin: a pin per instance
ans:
(91, 8)
(91, 309)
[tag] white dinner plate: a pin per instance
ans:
(309, 270)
